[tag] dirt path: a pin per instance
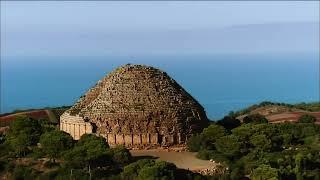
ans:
(51, 116)
(183, 160)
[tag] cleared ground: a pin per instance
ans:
(291, 117)
(183, 160)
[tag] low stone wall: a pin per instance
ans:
(75, 125)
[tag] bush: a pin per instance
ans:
(2, 138)
(194, 143)
(211, 134)
(23, 133)
(228, 145)
(5, 149)
(90, 150)
(307, 118)
(264, 172)
(37, 153)
(255, 118)
(55, 142)
(22, 173)
(121, 155)
(3, 165)
(160, 170)
(50, 164)
(131, 171)
(205, 154)
(261, 142)
(229, 122)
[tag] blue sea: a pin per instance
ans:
(221, 83)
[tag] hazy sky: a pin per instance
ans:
(65, 28)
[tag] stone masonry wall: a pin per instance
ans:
(75, 125)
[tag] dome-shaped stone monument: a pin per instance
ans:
(136, 105)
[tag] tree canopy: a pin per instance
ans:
(264, 172)
(23, 133)
(90, 150)
(55, 142)
(263, 150)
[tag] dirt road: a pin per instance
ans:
(183, 160)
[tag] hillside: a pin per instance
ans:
(51, 114)
(281, 112)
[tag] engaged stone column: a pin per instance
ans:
(137, 139)
(69, 129)
(128, 139)
(179, 138)
(145, 138)
(120, 139)
(154, 138)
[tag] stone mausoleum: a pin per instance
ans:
(136, 105)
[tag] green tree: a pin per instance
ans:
(121, 155)
(160, 170)
(25, 125)
(298, 166)
(255, 118)
(229, 122)
(307, 118)
(244, 132)
(261, 141)
(210, 134)
(55, 142)
(23, 133)
(20, 144)
(228, 145)
(194, 143)
(132, 170)
(264, 172)
(22, 173)
(90, 150)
